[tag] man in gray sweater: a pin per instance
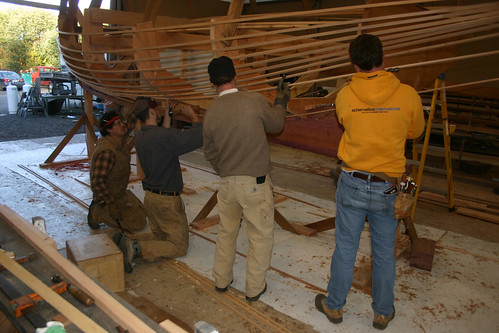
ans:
(235, 143)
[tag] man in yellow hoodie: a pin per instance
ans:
(378, 114)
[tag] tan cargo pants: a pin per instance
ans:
(168, 223)
(240, 196)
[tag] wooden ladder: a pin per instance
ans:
(447, 131)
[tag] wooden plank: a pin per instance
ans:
(235, 10)
(478, 215)
(107, 303)
(63, 163)
(66, 308)
(208, 207)
(292, 227)
(481, 206)
(128, 18)
(322, 225)
(303, 229)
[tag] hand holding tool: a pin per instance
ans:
(283, 93)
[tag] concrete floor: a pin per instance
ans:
(460, 294)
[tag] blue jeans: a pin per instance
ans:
(356, 199)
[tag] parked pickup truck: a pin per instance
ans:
(41, 69)
(62, 83)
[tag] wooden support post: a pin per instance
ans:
(292, 227)
(208, 207)
(88, 121)
(235, 10)
(65, 141)
(89, 112)
(152, 10)
(446, 134)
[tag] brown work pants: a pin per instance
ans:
(132, 213)
(169, 235)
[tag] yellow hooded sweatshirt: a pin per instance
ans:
(378, 114)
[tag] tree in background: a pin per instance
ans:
(28, 38)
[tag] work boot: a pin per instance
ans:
(255, 298)
(117, 237)
(334, 316)
(131, 250)
(91, 222)
(380, 322)
(224, 289)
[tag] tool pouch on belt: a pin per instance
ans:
(402, 205)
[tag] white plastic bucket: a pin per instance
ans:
(12, 99)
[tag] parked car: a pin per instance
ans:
(10, 78)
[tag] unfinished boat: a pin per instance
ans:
(119, 55)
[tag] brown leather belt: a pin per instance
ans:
(167, 193)
(363, 176)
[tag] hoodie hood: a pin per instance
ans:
(374, 88)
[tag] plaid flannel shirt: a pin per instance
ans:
(104, 162)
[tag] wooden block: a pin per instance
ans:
(303, 230)
(188, 191)
(205, 223)
(100, 259)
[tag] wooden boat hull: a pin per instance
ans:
(119, 56)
